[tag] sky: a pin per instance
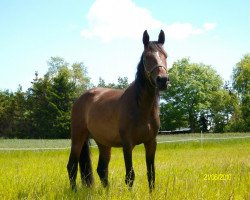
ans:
(106, 35)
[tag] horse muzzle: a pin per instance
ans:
(162, 82)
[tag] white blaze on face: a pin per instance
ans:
(158, 57)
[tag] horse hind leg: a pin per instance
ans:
(102, 168)
(78, 139)
(85, 165)
(72, 166)
(72, 170)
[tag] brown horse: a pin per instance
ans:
(120, 118)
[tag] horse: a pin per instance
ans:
(120, 118)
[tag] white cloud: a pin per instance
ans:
(182, 30)
(112, 19)
(209, 26)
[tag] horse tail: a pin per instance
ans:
(85, 164)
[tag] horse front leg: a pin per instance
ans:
(102, 168)
(130, 175)
(150, 148)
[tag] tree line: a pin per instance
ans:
(197, 99)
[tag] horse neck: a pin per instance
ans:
(147, 98)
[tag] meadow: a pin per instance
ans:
(189, 166)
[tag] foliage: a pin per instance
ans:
(13, 113)
(6, 112)
(241, 83)
(222, 106)
(196, 91)
(122, 83)
(43, 111)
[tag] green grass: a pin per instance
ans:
(33, 143)
(181, 168)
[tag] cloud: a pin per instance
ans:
(182, 30)
(209, 26)
(112, 19)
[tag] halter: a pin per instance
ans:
(148, 73)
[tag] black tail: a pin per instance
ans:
(85, 165)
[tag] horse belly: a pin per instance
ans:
(106, 136)
(102, 116)
(102, 123)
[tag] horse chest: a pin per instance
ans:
(144, 130)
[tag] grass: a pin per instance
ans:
(184, 170)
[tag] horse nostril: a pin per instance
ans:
(158, 78)
(165, 79)
(162, 82)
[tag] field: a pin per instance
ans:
(186, 168)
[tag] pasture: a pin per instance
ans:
(186, 168)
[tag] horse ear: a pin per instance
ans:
(161, 38)
(145, 38)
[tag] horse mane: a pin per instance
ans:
(140, 78)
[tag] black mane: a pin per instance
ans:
(140, 77)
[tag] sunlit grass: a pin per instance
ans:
(180, 172)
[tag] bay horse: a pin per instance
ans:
(120, 118)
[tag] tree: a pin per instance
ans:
(6, 113)
(241, 83)
(223, 105)
(101, 82)
(55, 64)
(21, 121)
(40, 110)
(43, 111)
(62, 95)
(51, 98)
(122, 83)
(78, 75)
(193, 88)
(13, 115)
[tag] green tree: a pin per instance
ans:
(193, 87)
(122, 83)
(13, 118)
(40, 110)
(223, 105)
(55, 64)
(51, 98)
(43, 111)
(79, 76)
(101, 82)
(6, 113)
(20, 113)
(62, 95)
(241, 83)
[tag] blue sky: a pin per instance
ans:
(106, 35)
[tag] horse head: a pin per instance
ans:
(155, 61)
